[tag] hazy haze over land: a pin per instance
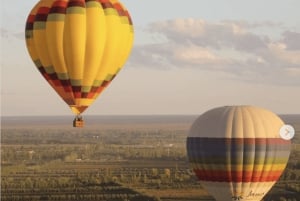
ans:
(121, 121)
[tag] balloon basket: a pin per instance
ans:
(78, 122)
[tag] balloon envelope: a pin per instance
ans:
(237, 153)
(79, 46)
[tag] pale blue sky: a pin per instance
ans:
(188, 57)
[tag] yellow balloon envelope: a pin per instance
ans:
(79, 46)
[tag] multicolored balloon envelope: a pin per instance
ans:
(237, 153)
(79, 46)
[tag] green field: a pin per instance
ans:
(119, 159)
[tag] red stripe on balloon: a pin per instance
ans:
(60, 4)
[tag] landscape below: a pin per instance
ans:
(114, 158)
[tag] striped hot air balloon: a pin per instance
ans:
(237, 153)
(79, 46)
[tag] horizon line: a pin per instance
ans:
(87, 115)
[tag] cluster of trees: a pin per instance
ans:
(89, 136)
(65, 181)
(73, 175)
(42, 153)
(22, 145)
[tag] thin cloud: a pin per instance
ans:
(19, 35)
(226, 46)
(6, 34)
(292, 40)
(206, 34)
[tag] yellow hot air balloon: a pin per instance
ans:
(79, 46)
(237, 152)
